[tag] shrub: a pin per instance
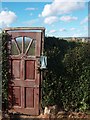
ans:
(67, 81)
(5, 68)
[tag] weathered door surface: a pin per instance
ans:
(24, 86)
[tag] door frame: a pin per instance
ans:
(42, 29)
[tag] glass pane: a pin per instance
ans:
(14, 50)
(19, 42)
(27, 41)
(31, 48)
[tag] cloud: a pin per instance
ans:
(72, 29)
(7, 18)
(77, 35)
(62, 7)
(68, 18)
(31, 22)
(85, 28)
(31, 9)
(52, 31)
(63, 30)
(50, 20)
(39, 15)
(85, 20)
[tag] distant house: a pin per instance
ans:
(73, 39)
(83, 40)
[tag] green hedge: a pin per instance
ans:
(5, 69)
(67, 80)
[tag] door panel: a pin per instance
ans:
(16, 69)
(30, 69)
(29, 97)
(17, 99)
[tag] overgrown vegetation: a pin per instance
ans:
(5, 69)
(67, 80)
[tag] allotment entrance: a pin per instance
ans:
(26, 47)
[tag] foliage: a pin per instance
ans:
(5, 68)
(77, 67)
(67, 81)
(53, 80)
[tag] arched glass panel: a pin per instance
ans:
(29, 46)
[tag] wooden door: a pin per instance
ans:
(24, 86)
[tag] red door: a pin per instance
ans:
(24, 90)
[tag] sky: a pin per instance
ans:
(60, 18)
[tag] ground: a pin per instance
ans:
(61, 115)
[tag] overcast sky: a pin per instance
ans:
(61, 19)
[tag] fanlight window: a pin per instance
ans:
(23, 45)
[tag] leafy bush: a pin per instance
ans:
(67, 81)
(5, 68)
(77, 67)
(55, 49)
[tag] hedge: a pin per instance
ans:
(67, 80)
(5, 69)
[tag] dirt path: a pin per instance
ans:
(61, 116)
